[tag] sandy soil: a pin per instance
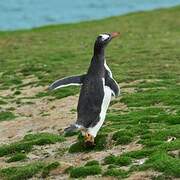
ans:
(41, 115)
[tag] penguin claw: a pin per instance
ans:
(89, 140)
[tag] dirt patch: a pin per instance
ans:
(6, 92)
(35, 115)
(26, 90)
(29, 91)
(100, 178)
(41, 115)
(30, 79)
(129, 90)
(143, 175)
(119, 106)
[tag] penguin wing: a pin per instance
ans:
(113, 85)
(68, 81)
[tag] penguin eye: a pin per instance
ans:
(104, 36)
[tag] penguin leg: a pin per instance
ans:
(89, 140)
(68, 81)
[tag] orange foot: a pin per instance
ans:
(89, 140)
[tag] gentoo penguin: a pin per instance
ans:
(97, 87)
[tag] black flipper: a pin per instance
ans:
(73, 80)
(112, 84)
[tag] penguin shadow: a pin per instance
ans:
(89, 144)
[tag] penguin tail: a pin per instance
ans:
(72, 128)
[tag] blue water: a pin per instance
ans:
(23, 14)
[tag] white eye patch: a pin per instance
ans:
(104, 36)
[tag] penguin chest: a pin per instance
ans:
(106, 101)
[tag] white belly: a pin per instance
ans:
(105, 104)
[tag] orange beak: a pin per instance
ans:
(115, 34)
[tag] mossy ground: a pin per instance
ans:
(116, 173)
(145, 61)
(20, 173)
(28, 171)
(118, 160)
(28, 142)
(48, 168)
(91, 163)
(6, 115)
(17, 157)
(85, 171)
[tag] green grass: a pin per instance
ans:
(67, 91)
(118, 160)
(2, 102)
(92, 163)
(28, 142)
(9, 80)
(123, 137)
(147, 52)
(116, 173)
(153, 97)
(27, 171)
(49, 168)
(6, 115)
(21, 172)
(158, 83)
(64, 50)
(17, 157)
(85, 171)
(160, 136)
(17, 93)
(162, 162)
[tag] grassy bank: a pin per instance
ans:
(148, 48)
(145, 60)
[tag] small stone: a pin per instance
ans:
(139, 161)
(86, 157)
(171, 139)
(175, 153)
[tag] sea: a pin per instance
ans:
(27, 14)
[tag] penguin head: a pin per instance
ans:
(103, 39)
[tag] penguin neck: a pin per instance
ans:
(99, 51)
(97, 62)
